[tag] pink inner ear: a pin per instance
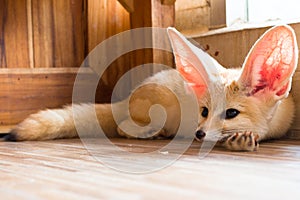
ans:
(271, 62)
(188, 63)
(191, 75)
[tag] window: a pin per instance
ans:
(258, 11)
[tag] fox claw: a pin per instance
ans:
(246, 141)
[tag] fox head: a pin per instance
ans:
(247, 99)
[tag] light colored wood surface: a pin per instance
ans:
(63, 169)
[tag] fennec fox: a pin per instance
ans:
(257, 107)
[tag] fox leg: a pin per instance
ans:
(246, 141)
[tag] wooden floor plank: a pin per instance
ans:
(64, 169)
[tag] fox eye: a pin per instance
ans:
(232, 113)
(204, 112)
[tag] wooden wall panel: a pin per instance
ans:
(58, 32)
(24, 92)
(106, 18)
(217, 14)
(296, 95)
(163, 16)
(14, 45)
(230, 48)
(193, 16)
(153, 13)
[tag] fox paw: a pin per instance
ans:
(246, 141)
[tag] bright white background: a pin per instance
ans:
(256, 11)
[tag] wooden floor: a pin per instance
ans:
(64, 169)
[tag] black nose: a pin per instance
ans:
(200, 134)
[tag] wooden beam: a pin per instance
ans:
(168, 2)
(128, 5)
(152, 13)
(217, 14)
(25, 91)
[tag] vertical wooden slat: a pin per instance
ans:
(58, 29)
(105, 19)
(217, 14)
(3, 16)
(13, 34)
(142, 17)
(43, 25)
(30, 33)
(96, 24)
(163, 15)
(152, 13)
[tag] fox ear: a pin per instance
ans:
(270, 64)
(191, 62)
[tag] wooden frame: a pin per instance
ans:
(50, 39)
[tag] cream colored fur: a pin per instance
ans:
(59, 123)
(265, 112)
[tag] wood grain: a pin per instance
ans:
(59, 33)
(152, 13)
(296, 95)
(14, 44)
(105, 19)
(64, 169)
(168, 2)
(192, 16)
(163, 20)
(127, 4)
(24, 92)
(217, 14)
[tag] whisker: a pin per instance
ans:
(215, 134)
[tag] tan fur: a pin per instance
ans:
(59, 123)
(262, 114)
(269, 118)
